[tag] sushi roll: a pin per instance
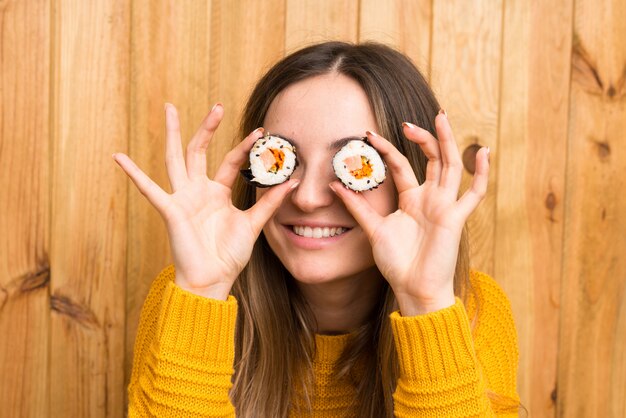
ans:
(272, 161)
(359, 166)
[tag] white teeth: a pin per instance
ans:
(317, 232)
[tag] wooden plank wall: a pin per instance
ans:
(544, 85)
(25, 117)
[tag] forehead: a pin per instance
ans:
(321, 111)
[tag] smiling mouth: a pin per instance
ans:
(318, 232)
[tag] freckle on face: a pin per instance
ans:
(314, 113)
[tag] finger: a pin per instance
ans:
(196, 149)
(265, 207)
(174, 159)
(472, 196)
(430, 147)
(157, 196)
(229, 168)
(451, 158)
(359, 207)
(399, 166)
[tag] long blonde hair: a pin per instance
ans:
(275, 340)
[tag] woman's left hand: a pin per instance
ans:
(416, 247)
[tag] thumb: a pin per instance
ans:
(359, 207)
(265, 207)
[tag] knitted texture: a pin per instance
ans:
(450, 366)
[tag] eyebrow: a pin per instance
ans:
(335, 145)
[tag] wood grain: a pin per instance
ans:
(24, 208)
(530, 186)
(89, 228)
(170, 52)
(308, 22)
(465, 74)
(403, 24)
(543, 85)
(593, 329)
(239, 58)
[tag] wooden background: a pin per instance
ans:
(542, 83)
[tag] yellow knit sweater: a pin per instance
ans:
(449, 367)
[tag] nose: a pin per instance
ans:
(313, 192)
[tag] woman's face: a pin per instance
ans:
(312, 232)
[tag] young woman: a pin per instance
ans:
(309, 299)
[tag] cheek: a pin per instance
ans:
(276, 244)
(270, 235)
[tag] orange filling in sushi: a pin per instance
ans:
(273, 159)
(359, 166)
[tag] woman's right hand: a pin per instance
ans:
(211, 240)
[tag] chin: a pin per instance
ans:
(319, 272)
(313, 276)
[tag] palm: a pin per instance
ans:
(205, 229)
(417, 240)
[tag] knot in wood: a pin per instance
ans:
(469, 156)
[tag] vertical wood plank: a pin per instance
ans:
(530, 189)
(24, 208)
(403, 24)
(170, 63)
(315, 21)
(465, 74)
(239, 58)
(195, 54)
(592, 381)
(88, 231)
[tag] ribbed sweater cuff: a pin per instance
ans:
(434, 346)
(198, 328)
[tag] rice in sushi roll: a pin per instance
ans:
(272, 161)
(359, 166)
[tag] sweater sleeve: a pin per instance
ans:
(451, 366)
(184, 353)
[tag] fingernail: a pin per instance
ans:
(408, 125)
(258, 131)
(113, 155)
(165, 106)
(488, 156)
(294, 185)
(331, 187)
(371, 133)
(443, 112)
(215, 105)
